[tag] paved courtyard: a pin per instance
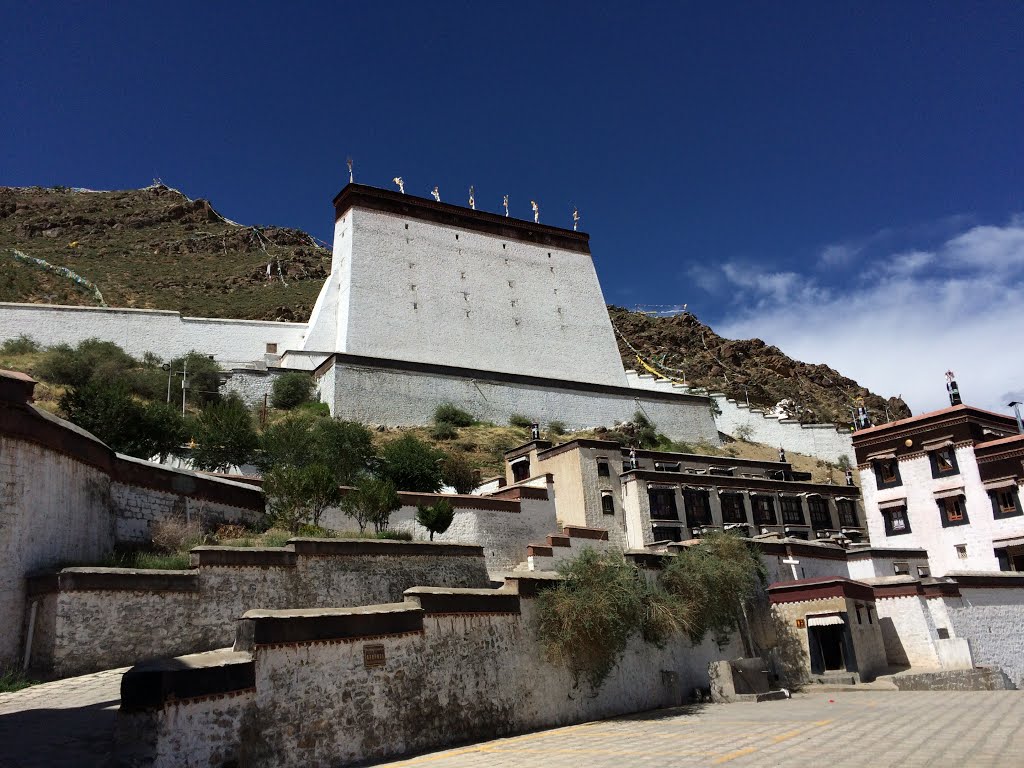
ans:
(70, 723)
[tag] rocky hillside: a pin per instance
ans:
(743, 368)
(155, 248)
(152, 248)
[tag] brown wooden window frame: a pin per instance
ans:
(953, 511)
(792, 510)
(734, 511)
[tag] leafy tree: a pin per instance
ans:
(457, 472)
(371, 501)
(449, 413)
(301, 440)
(437, 517)
(203, 379)
(108, 410)
(224, 435)
(291, 389)
(412, 465)
(92, 360)
(298, 496)
(646, 434)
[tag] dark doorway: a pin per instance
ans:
(828, 648)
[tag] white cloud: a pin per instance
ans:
(838, 254)
(913, 316)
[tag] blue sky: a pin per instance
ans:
(841, 179)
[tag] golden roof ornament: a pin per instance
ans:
(400, 183)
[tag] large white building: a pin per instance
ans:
(947, 482)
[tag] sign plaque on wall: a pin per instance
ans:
(800, 624)
(373, 656)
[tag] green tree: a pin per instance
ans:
(412, 465)
(437, 517)
(371, 501)
(202, 381)
(457, 472)
(92, 360)
(291, 389)
(224, 435)
(301, 440)
(299, 495)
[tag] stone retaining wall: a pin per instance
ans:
(90, 619)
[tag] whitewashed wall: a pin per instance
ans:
(138, 331)
(926, 531)
(991, 620)
(823, 441)
(394, 397)
(406, 289)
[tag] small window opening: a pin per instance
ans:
(961, 551)
(607, 503)
(406, 226)
(602, 469)
(271, 349)
(901, 568)
(923, 571)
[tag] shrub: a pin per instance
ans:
(91, 360)
(443, 430)
(437, 517)
(518, 420)
(393, 535)
(224, 435)
(452, 414)
(301, 440)
(412, 465)
(203, 380)
(371, 500)
(20, 345)
(557, 428)
(12, 680)
(457, 472)
(291, 389)
(843, 463)
(646, 433)
(315, 409)
(176, 535)
(298, 496)
(743, 432)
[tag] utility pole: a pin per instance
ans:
(167, 367)
(184, 380)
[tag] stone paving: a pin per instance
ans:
(70, 723)
(974, 729)
(63, 724)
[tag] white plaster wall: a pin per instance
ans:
(908, 629)
(822, 441)
(878, 566)
(807, 568)
(918, 487)
(406, 398)
(430, 293)
(991, 620)
(465, 677)
(138, 331)
(52, 509)
(560, 555)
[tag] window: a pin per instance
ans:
(943, 462)
(667, 466)
(901, 568)
(942, 632)
(961, 551)
(626, 466)
(721, 471)
(698, 507)
(607, 503)
(792, 510)
(667, 533)
(952, 511)
(858, 615)
(764, 510)
(847, 513)
(1005, 502)
(820, 517)
(520, 470)
(602, 468)
(663, 504)
(887, 473)
(271, 349)
(923, 572)
(896, 521)
(732, 508)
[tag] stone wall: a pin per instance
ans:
(991, 617)
(347, 686)
(396, 393)
(66, 497)
(138, 331)
(100, 618)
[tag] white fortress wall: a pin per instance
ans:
(400, 394)
(823, 441)
(328, 320)
(479, 292)
(138, 331)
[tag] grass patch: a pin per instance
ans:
(12, 680)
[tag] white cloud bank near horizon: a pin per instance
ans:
(903, 319)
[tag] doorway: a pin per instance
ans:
(829, 649)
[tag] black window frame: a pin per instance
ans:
(849, 520)
(693, 499)
(758, 512)
(603, 468)
(933, 460)
(786, 504)
(997, 508)
(662, 493)
(888, 518)
(944, 511)
(729, 513)
(524, 463)
(819, 514)
(609, 507)
(880, 482)
(667, 533)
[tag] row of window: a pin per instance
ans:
(943, 464)
(604, 468)
(698, 509)
(953, 511)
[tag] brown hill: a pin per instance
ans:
(743, 369)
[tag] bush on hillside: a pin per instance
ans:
(92, 360)
(224, 435)
(457, 472)
(301, 440)
(452, 414)
(518, 420)
(443, 430)
(20, 345)
(298, 496)
(291, 389)
(557, 428)
(412, 465)
(203, 380)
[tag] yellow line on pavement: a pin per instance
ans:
(733, 755)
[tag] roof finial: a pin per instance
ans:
(400, 183)
(575, 218)
(953, 389)
(351, 178)
(505, 203)
(472, 199)
(435, 194)
(536, 211)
